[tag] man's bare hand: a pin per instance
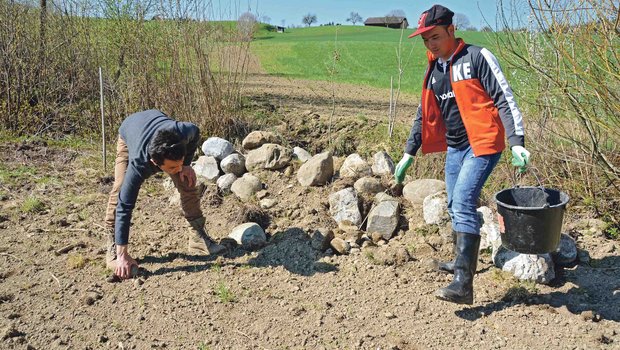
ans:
(126, 266)
(187, 173)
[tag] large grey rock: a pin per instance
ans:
(417, 190)
(435, 208)
(225, 182)
(321, 238)
(343, 205)
(206, 169)
(566, 254)
(354, 166)
(301, 154)
(382, 164)
(533, 267)
(368, 185)
(246, 186)
(234, 164)
(383, 217)
(217, 147)
(249, 236)
(269, 156)
(258, 138)
(317, 171)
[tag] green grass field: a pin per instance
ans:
(366, 55)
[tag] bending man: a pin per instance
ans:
(151, 142)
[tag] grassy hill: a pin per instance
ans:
(366, 55)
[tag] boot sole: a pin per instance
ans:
(456, 301)
(196, 251)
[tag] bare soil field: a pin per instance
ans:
(55, 294)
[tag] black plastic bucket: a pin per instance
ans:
(530, 218)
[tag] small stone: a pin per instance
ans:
(590, 315)
(138, 282)
(268, 203)
(340, 245)
(321, 238)
(389, 315)
(376, 236)
(102, 339)
(301, 154)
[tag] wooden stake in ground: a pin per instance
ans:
(102, 118)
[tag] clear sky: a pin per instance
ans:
(290, 12)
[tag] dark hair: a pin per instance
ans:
(166, 144)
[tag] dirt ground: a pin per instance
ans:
(54, 292)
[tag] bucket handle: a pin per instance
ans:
(535, 172)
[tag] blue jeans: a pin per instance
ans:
(465, 176)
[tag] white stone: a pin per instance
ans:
(343, 205)
(225, 182)
(249, 236)
(416, 191)
(435, 208)
(382, 164)
(301, 154)
(234, 164)
(489, 229)
(206, 169)
(384, 215)
(317, 171)
(354, 166)
(269, 156)
(533, 267)
(217, 147)
(369, 185)
(268, 203)
(246, 186)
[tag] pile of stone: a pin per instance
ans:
(231, 170)
(344, 205)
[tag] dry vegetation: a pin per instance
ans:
(568, 54)
(50, 53)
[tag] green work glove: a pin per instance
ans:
(520, 157)
(401, 167)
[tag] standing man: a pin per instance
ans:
(150, 142)
(467, 109)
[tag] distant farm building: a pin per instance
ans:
(390, 22)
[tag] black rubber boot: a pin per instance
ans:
(448, 266)
(461, 290)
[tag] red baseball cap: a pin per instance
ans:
(433, 17)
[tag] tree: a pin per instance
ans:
(460, 21)
(265, 19)
(354, 17)
(396, 13)
(309, 19)
(486, 29)
(246, 24)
